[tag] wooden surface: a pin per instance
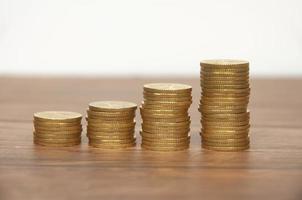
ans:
(271, 169)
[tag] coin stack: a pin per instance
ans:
(223, 105)
(165, 118)
(57, 128)
(111, 124)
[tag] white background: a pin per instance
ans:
(148, 37)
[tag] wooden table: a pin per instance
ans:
(271, 169)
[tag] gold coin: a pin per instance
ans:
(225, 124)
(108, 106)
(166, 139)
(110, 115)
(222, 137)
(225, 63)
(170, 99)
(209, 81)
(224, 70)
(57, 116)
(174, 107)
(225, 128)
(166, 145)
(165, 120)
(57, 124)
(225, 144)
(165, 116)
(215, 148)
(57, 140)
(232, 116)
(167, 88)
(222, 103)
(209, 87)
(111, 137)
(57, 144)
(164, 135)
(221, 111)
(167, 95)
(112, 141)
(110, 124)
(109, 129)
(163, 149)
(124, 133)
(225, 140)
(111, 146)
(167, 124)
(117, 121)
(55, 135)
(152, 129)
(214, 78)
(57, 129)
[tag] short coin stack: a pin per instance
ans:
(166, 122)
(57, 128)
(111, 124)
(223, 105)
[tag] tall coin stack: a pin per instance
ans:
(223, 105)
(165, 118)
(111, 124)
(57, 128)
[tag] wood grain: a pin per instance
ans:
(271, 169)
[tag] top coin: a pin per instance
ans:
(224, 63)
(112, 106)
(167, 87)
(57, 116)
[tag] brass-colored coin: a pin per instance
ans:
(224, 63)
(111, 137)
(168, 104)
(57, 124)
(164, 149)
(55, 135)
(166, 139)
(114, 133)
(226, 131)
(221, 111)
(209, 87)
(225, 70)
(152, 129)
(222, 91)
(166, 145)
(112, 141)
(226, 140)
(224, 107)
(223, 103)
(217, 148)
(228, 116)
(225, 143)
(108, 106)
(101, 121)
(167, 88)
(165, 116)
(209, 81)
(186, 95)
(109, 129)
(174, 107)
(166, 120)
(225, 120)
(179, 135)
(224, 136)
(165, 99)
(57, 144)
(225, 124)
(57, 140)
(166, 124)
(59, 132)
(110, 115)
(235, 77)
(59, 129)
(224, 128)
(109, 125)
(224, 95)
(111, 146)
(57, 116)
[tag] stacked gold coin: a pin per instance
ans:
(57, 128)
(166, 122)
(111, 124)
(223, 105)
